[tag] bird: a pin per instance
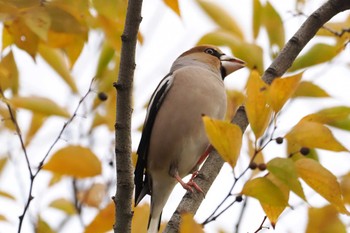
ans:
(173, 138)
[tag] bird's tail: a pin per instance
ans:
(154, 223)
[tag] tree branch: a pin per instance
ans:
(212, 166)
(124, 170)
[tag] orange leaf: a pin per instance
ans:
(313, 135)
(188, 225)
(94, 195)
(225, 137)
(258, 110)
(281, 90)
(76, 161)
(174, 5)
(322, 181)
(103, 221)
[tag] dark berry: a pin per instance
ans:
(304, 151)
(239, 198)
(102, 96)
(262, 166)
(253, 165)
(279, 140)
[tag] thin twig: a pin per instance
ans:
(34, 174)
(239, 220)
(261, 225)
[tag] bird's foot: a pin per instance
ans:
(190, 185)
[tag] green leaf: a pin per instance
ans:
(317, 54)
(309, 89)
(338, 116)
(221, 17)
(274, 26)
(285, 171)
(257, 17)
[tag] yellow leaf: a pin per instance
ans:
(103, 221)
(345, 187)
(338, 116)
(7, 121)
(36, 123)
(322, 181)
(7, 195)
(7, 39)
(9, 73)
(313, 135)
(55, 179)
(281, 90)
(3, 218)
(113, 31)
(274, 26)
(258, 110)
(309, 89)
(239, 48)
(56, 60)
(286, 172)
(3, 161)
(73, 50)
(234, 100)
(272, 211)
(221, 17)
(64, 205)
(174, 5)
(38, 20)
(39, 105)
(112, 9)
(93, 196)
(225, 137)
(319, 53)
(188, 225)
(257, 10)
(324, 220)
(265, 191)
(76, 161)
(43, 227)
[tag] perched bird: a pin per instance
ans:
(173, 137)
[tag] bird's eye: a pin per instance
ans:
(210, 51)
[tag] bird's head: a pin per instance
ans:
(213, 56)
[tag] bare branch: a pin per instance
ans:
(124, 169)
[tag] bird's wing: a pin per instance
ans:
(141, 177)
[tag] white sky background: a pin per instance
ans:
(166, 36)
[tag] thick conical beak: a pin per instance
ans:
(231, 64)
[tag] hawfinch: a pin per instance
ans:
(173, 137)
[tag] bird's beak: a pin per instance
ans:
(231, 64)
